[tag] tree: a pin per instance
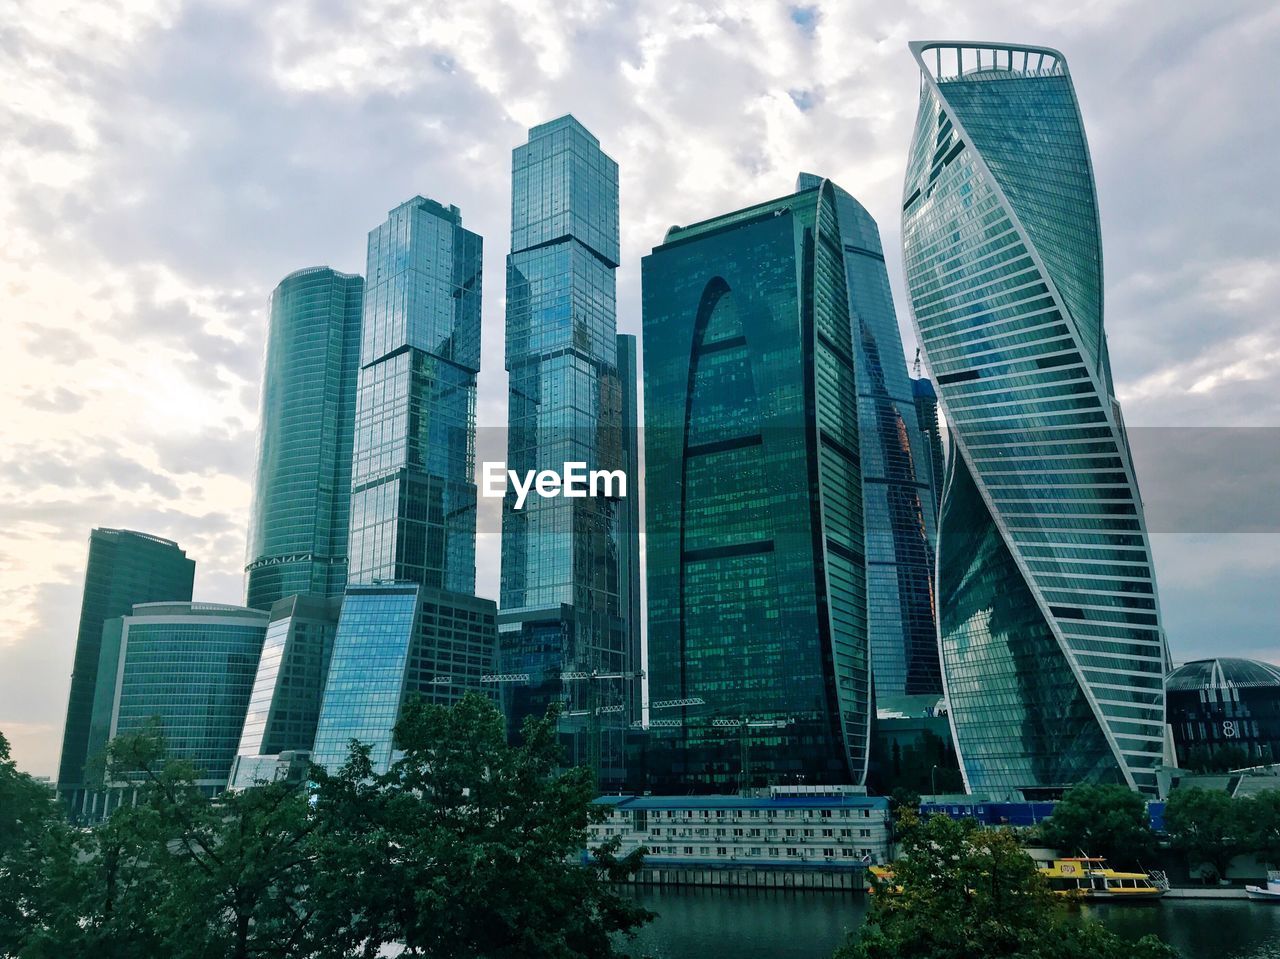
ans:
(469, 847)
(1205, 825)
(1101, 820)
(968, 892)
(1260, 819)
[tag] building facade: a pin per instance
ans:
(755, 540)
(1225, 713)
(284, 706)
(776, 829)
(394, 641)
(926, 401)
(123, 568)
(191, 666)
(627, 518)
(898, 509)
(1052, 648)
(302, 490)
(413, 492)
(562, 599)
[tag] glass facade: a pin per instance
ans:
(1053, 654)
(563, 603)
(755, 541)
(302, 491)
(627, 516)
(394, 641)
(1225, 712)
(285, 704)
(123, 568)
(413, 493)
(926, 400)
(192, 666)
(899, 513)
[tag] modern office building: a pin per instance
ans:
(413, 493)
(188, 665)
(285, 704)
(395, 641)
(302, 490)
(1052, 648)
(627, 518)
(563, 608)
(1225, 713)
(926, 400)
(898, 509)
(410, 623)
(123, 568)
(755, 543)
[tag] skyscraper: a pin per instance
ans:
(190, 666)
(926, 400)
(898, 510)
(123, 568)
(410, 622)
(413, 495)
(1053, 653)
(561, 608)
(627, 517)
(753, 497)
(302, 491)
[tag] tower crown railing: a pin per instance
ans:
(949, 60)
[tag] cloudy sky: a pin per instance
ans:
(163, 164)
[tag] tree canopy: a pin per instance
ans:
(1102, 820)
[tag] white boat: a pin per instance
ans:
(1268, 893)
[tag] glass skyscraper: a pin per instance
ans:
(627, 517)
(926, 400)
(755, 542)
(410, 623)
(1052, 648)
(123, 568)
(562, 602)
(302, 492)
(190, 665)
(899, 513)
(413, 495)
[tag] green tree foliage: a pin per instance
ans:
(1260, 816)
(967, 892)
(466, 847)
(1206, 825)
(1101, 820)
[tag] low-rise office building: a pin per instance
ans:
(785, 827)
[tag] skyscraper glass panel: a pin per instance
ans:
(302, 492)
(562, 611)
(413, 499)
(1052, 648)
(123, 568)
(755, 540)
(899, 513)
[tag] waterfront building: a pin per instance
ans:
(284, 706)
(124, 567)
(776, 828)
(413, 492)
(302, 490)
(1052, 649)
(1225, 713)
(394, 641)
(755, 541)
(898, 509)
(189, 666)
(564, 592)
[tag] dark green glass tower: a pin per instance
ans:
(124, 568)
(756, 564)
(302, 493)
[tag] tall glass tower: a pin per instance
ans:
(124, 568)
(899, 513)
(302, 493)
(561, 606)
(755, 541)
(410, 622)
(1052, 648)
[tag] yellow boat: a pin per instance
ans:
(885, 875)
(1091, 880)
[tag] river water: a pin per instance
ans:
(696, 923)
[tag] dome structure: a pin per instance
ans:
(1224, 713)
(1222, 674)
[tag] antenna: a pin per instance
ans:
(916, 367)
